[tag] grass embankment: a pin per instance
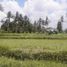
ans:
(53, 50)
(5, 62)
(32, 36)
(20, 55)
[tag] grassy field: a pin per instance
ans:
(5, 62)
(32, 36)
(50, 51)
(32, 44)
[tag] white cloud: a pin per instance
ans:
(54, 9)
(42, 7)
(11, 5)
(2, 15)
(38, 8)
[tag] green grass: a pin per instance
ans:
(32, 36)
(37, 49)
(5, 62)
(19, 46)
(34, 45)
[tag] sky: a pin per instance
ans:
(54, 9)
(21, 2)
(35, 9)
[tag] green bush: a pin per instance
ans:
(20, 55)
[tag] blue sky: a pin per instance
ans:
(21, 2)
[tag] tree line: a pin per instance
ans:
(21, 24)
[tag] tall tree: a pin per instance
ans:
(39, 24)
(16, 23)
(8, 20)
(21, 23)
(46, 21)
(62, 19)
(6, 24)
(59, 25)
(26, 23)
(1, 8)
(35, 27)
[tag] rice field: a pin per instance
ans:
(5, 62)
(33, 44)
(13, 51)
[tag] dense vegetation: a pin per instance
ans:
(27, 52)
(58, 36)
(5, 62)
(33, 50)
(22, 24)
